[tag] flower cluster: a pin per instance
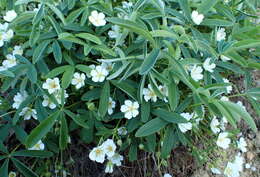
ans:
(107, 150)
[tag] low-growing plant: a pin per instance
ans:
(143, 75)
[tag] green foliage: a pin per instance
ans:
(151, 52)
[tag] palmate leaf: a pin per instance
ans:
(4, 168)
(23, 168)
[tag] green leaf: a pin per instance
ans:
(91, 95)
(151, 127)
(240, 111)
(207, 5)
(57, 71)
(149, 62)
(145, 111)
(77, 119)
(169, 116)
(246, 43)
(23, 168)
(164, 33)
(3, 148)
(41, 130)
(125, 87)
(185, 8)
(7, 73)
(134, 27)
(254, 93)
(90, 37)
(39, 51)
(173, 95)
(33, 153)
(57, 52)
(67, 77)
(105, 49)
(4, 169)
(39, 15)
(84, 68)
(63, 140)
(57, 12)
(104, 99)
(217, 22)
(170, 140)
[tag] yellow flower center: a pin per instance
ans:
(98, 152)
(110, 148)
(53, 85)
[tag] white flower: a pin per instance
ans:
(27, 113)
(149, 94)
(184, 127)
(12, 174)
(10, 15)
(8, 35)
(127, 5)
(19, 98)
(47, 102)
(253, 168)
(38, 146)
(241, 144)
(97, 154)
(58, 95)
(241, 104)
(214, 125)
(78, 80)
(224, 58)
(109, 167)
(196, 73)
(224, 98)
(229, 88)
(122, 131)
(130, 109)
(98, 74)
(109, 147)
(196, 17)
(223, 123)
(164, 91)
(116, 159)
(247, 165)
(223, 141)
(221, 34)
(208, 66)
(111, 106)
(10, 61)
(115, 32)
(239, 161)
(231, 170)
(4, 27)
(52, 85)
(167, 175)
(91, 67)
(18, 50)
(107, 65)
(97, 19)
(215, 171)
